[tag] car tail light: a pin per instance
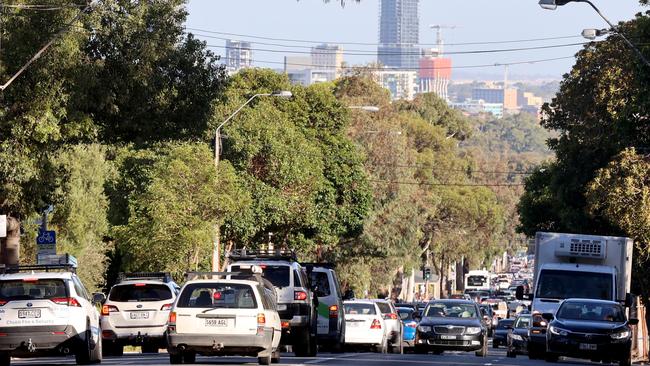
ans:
(3, 302)
(300, 295)
(166, 307)
(392, 316)
(172, 318)
(70, 301)
(285, 325)
(140, 284)
(376, 324)
(3, 334)
(261, 319)
(107, 309)
(334, 311)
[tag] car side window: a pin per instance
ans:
(79, 288)
(296, 279)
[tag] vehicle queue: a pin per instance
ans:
(268, 302)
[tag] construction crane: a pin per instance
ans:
(439, 41)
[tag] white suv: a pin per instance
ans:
(136, 312)
(44, 311)
(224, 317)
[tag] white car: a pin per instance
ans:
(225, 317)
(365, 325)
(136, 312)
(393, 323)
(46, 311)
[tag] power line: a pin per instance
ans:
(373, 53)
(378, 44)
(448, 184)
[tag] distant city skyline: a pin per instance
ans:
(475, 22)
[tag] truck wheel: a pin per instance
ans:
(5, 359)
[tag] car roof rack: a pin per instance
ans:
(5, 269)
(241, 275)
(275, 254)
(165, 277)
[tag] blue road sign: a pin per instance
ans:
(46, 237)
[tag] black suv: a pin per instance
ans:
(297, 305)
(451, 325)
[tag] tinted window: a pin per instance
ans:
(591, 312)
(277, 274)
(522, 322)
(361, 309)
(451, 310)
(384, 308)
(32, 290)
(504, 323)
(140, 292)
(556, 284)
(321, 283)
(476, 280)
(217, 295)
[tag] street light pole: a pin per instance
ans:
(553, 4)
(216, 252)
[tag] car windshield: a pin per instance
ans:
(591, 311)
(140, 292)
(451, 310)
(522, 322)
(28, 289)
(278, 275)
(217, 295)
(359, 309)
(557, 284)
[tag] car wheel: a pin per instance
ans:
(88, 353)
(175, 359)
(483, 352)
(275, 357)
(189, 357)
(420, 350)
(306, 345)
(383, 346)
(5, 359)
(149, 348)
(264, 360)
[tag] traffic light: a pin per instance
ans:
(427, 273)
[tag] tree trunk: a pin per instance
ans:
(398, 282)
(10, 246)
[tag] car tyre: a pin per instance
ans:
(264, 360)
(149, 348)
(483, 352)
(420, 350)
(5, 359)
(275, 357)
(307, 346)
(89, 354)
(175, 359)
(383, 347)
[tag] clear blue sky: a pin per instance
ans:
(476, 21)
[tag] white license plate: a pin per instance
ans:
(31, 313)
(353, 324)
(219, 323)
(588, 347)
(447, 337)
(140, 315)
(282, 307)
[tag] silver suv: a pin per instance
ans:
(296, 303)
(136, 312)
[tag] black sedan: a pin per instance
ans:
(451, 325)
(590, 329)
(500, 334)
(518, 336)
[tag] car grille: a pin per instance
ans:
(449, 330)
(589, 337)
(446, 342)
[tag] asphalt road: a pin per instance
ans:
(495, 358)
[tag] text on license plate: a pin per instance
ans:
(588, 347)
(217, 323)
(31, 313)
(140, 315)
(447, 337)
(353, 324)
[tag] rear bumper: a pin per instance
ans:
(40, 340)
(226, 344)
(134, 335)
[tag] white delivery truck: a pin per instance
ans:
(575, 266)
(478, 280)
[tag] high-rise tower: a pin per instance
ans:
(399, 33)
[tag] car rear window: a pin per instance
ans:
(321, 283)
(384, 308)
(504, 323)
(217, 295)
(28, 289)
(360, 309)
(278, 275)
(141, 292)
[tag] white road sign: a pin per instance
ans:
(3, 226)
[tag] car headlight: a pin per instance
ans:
(424, 328)
(473, 330)
(517, 337)
(621, 335)
(558, 331)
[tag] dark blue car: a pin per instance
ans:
(410, 325)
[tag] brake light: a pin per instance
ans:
(140, 284)
(107, 309)
(376, 324)
(172, 318)
(392, 316)
(166, 307)
(300, 295)
(261, 319)
(334, 311)
(69, 301)
(30, 279)
(58, 333)
(3, 302)
(285, 325)
(3, 334)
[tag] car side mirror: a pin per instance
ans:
(99, 298)
(633, 321)
(548, 316)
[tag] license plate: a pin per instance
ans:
(140, 315)
(588, 347)
(352, 324)
(282, 307)
(447, 337)
(219, 323)
(31, 313)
